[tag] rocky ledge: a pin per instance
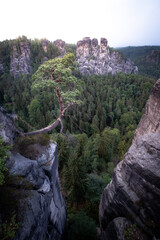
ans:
(42, 211)
(33, 176)
(99, 60)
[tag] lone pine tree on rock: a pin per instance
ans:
(56, 75)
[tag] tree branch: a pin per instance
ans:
(46, 129)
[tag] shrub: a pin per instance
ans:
(3, 156)
(81, 227)
(8, 229)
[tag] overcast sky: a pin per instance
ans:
(122, 22)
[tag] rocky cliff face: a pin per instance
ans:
(20, 62)
(134, 192)
(95, 59)
(44, 43)
(1, 67)
(91, 58)
(150, 121)
(8, 130)
(41, 209)
(20, 59)
(61, 45)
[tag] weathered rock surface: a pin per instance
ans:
(44, 43)
(8, 130)
(116, 228)
(94, 59)
(1, 67)
(150, 121)
(61, 45)
(42, 209)
(20, 59)
(134, 191)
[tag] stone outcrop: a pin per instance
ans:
(61, 45)
(116, 228)
(44, 209)
(41, 209)
(8, 130)
(20, 59)
(44, 43)
(150, 121)
(134, 191)
(95, 59)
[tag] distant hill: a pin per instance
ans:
(147, 58)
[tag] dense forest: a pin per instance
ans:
(147, 58)
(98, 131)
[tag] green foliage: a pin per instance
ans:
(107, 176)
(132, 232)
(70, 48)
(56, 73)
(31, 146)
(147, 58)
(81, 227)
(3, 156)
(105, 99)
(38, 54)
(94, 188)
(75, 178)
(54, 77)
(22, 125)
(8, 229)
(63, 150)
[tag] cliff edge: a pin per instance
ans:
(132, 199)
(32, 187)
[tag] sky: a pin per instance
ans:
(122, 22)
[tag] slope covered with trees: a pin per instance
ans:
(147, 58)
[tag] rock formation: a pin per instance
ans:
(1, 67)
(20, 62)
(41, 208)
(61, 45)
(150, 121)
(8, 130)
(20, 59)
(91, 58)
(134, 191)
(95, 59)
(44, 43)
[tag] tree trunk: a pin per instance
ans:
(53, 125)
(46, 129)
